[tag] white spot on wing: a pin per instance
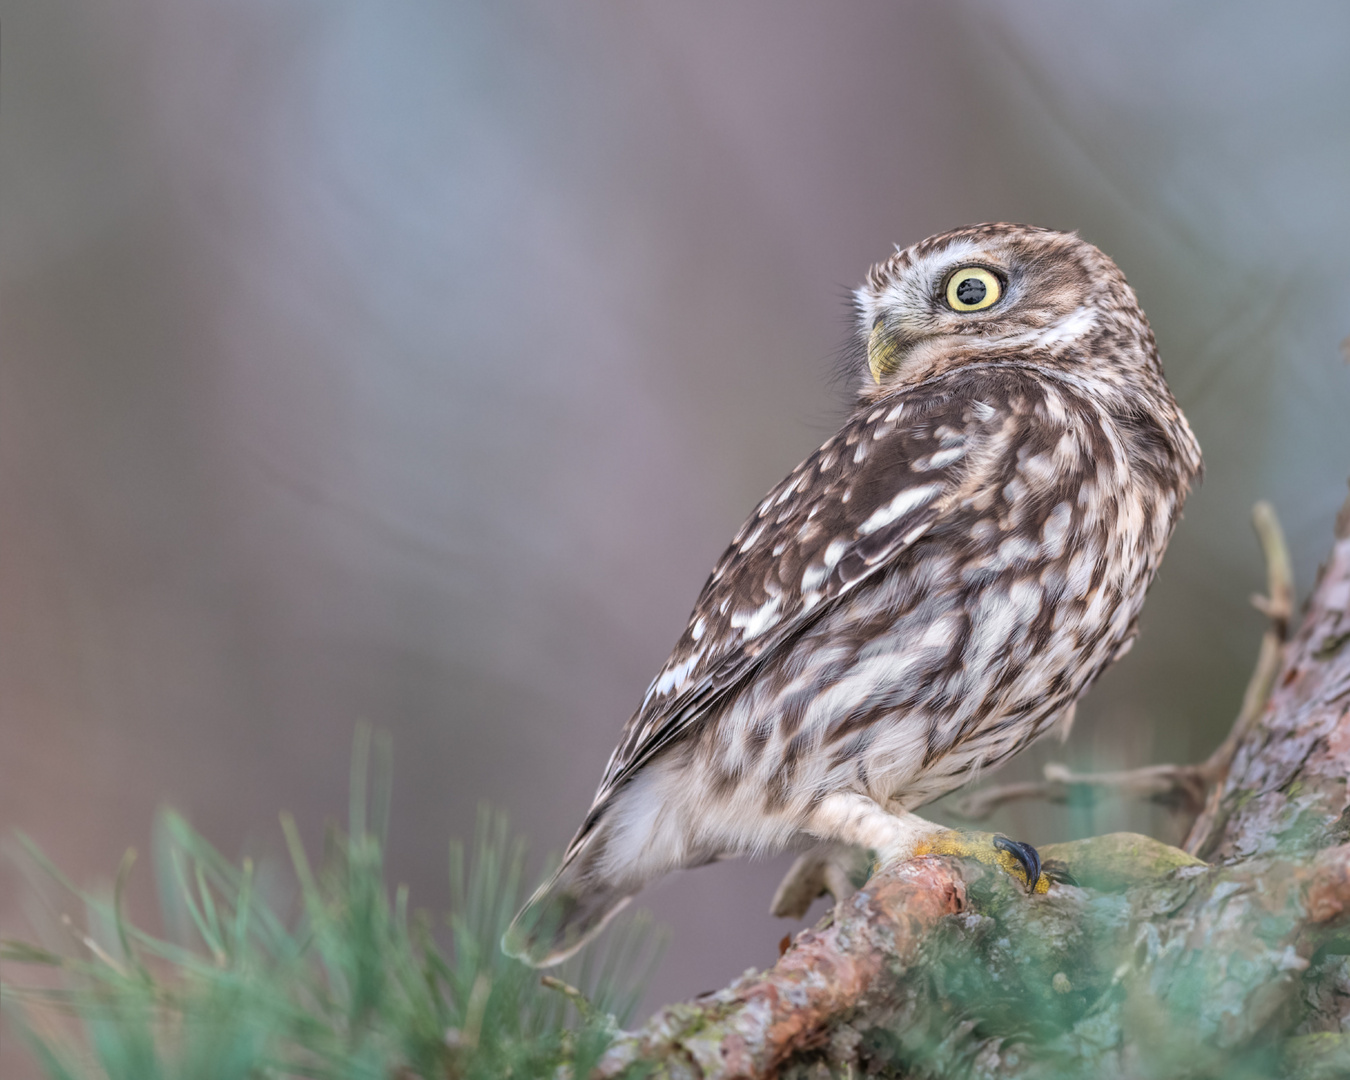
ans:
(906, 501)
(749, 541)
(938, 460)
(673, 680)
(916, 532)
(813, 576)
(757, 621)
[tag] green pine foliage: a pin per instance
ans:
(335, 982)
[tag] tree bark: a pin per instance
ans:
(1155, 963)
(1286, 788)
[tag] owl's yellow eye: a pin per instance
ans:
(973, 288)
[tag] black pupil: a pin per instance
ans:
(970, 290)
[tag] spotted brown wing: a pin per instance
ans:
(845, 513)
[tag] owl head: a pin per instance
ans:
(986, 292)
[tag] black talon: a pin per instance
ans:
(1025, 854)
(1058, 871)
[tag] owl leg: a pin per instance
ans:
(850, 825)
(849, 818)
(856, 819)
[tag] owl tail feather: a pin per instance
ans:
(567, 911)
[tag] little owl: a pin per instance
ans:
(922, 597)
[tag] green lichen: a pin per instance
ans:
(1321, 1056)
(1118, 861)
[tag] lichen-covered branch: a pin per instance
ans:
(1286, 787)
(939, 968)
(757, 1022)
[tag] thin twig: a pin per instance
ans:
(1181, 787)
(1189, 789)
(1278, 607)
(583, 1004)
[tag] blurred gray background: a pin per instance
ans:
(412, 362)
